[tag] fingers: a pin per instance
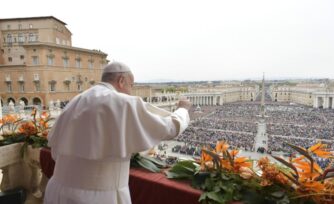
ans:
(184, 103)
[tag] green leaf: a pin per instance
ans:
(278, 194)
(203, 197)
(148, 165)
(185, 167)
(216, 197)
(224, 176)
(182, 169)
(199, 179)
(157, 162)
(174, 175)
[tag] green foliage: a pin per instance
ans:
(220, 187)
(146, 162)
(12, 139)
(182, 170)
(32, 132)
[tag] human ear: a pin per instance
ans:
(121, 81)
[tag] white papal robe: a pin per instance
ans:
(93, 139)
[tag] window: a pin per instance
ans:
(8, 27)
(7, 78)
(65, 62)
(36, 77)
(10, 59)
(21, 57)
(21, 87)
(21, 38)
(20, 26)
(57, 41)
(52, 87)
(35, 60)
(9, 39)
(30, 26)
(79, 87)
(37, 86)
(9, 87)
(67, 86)
(50, 60)
(32, 37)
(90, 65)
(78, 63)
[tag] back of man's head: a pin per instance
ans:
(113, 70)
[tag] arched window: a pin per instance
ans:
(10, 99)
(36, 101)
(24, 100)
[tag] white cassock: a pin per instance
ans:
(93, 139)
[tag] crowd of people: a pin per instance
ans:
(237, 124)
(194, 136)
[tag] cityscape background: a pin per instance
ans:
(196, 40)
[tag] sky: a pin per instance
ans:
(197, 40)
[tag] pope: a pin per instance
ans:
(95, 135)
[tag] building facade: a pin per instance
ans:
(223, 93)
(166, 95)
(316, 95)
(38, 63)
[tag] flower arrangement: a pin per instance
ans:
(31, 131)
(224, 177)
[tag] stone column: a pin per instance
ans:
(315, 102)
(326, 102)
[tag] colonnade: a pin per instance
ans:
(205, 100)
(324, 101)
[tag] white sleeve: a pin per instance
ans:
(148, 125)
(180, 117)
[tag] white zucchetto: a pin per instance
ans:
(115, 67)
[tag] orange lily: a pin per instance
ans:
(314, 186)
(28, 128)
(320, 150)
(221, 146)
(242, 162)
(45, 115)
(234, 153)
(10, 118)
(204, 159)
